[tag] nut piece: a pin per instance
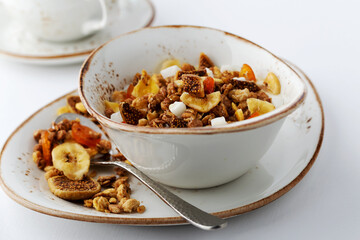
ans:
(88, 203)
(272, 83)
(115, 208)
(141, 209)
(106, 180)
(239, 95)
(256, 105)
(194, 85)
(131, 205)
(101, 204)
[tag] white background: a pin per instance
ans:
(321, 37)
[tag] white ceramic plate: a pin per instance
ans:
(284, 165)
(17, 44)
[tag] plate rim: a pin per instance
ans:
(76, 54)
(166, 220)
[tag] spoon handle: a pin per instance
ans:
(192, 214)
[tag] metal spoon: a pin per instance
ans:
(192, 214)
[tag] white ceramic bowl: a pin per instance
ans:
(193, 157)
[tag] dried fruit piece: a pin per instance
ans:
(62, 110)
(209, 85)
(129, 91)
(85, 135)
(272, 83)
(204, 61)
(194, 85)
(187, 67)
(130, 114)
(255, 114)
(177, 123)
(247, 73)
(256, 105)
(119, 96)
(169, 63)
(200, 72)
(46, 146)
(239, 115)
(71, 102)
(245, 84)
(80, 107)
(72, 159)
(112, 105)
(65, 188)
(201, 104)
(179, 83)
(145, 85)
(233, 106)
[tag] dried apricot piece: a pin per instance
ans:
(85, 135)
(209, 85)
(46, 147)
(247, 73)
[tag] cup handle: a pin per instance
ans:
(108, 9)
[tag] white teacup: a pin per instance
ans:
(59, 20)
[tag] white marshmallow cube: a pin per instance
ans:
(239, 78)
(170, 71)
(177, 108)
(209, 72)
(117, 117)
(230, 68)
(219, 121)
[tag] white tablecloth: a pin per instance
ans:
(321, 37)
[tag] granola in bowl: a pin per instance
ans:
(64, 152)
(185, 96)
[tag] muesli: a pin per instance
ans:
(183, 96)
(64, 152)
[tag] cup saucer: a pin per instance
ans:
(18, 44)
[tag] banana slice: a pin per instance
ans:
(72, 159)
(256, 105)
(65, 188)
(239, 115)
(112, 105)
(169, 63)
(145, 85)
(272, 83)
(201, 104)
(80, 107)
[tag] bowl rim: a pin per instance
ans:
(257, 122)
